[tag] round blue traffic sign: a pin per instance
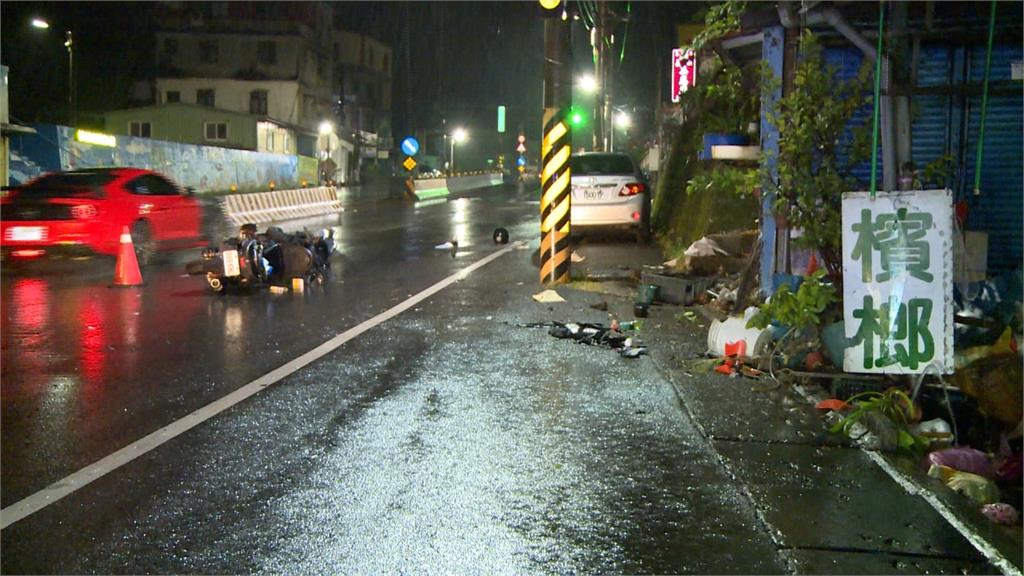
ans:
(410, 146)
(521, 161)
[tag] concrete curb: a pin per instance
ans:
(277, 205)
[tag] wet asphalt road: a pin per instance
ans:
(448, 439)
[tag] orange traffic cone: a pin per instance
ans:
(127, 271)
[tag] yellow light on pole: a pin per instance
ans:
(550, 4)
(40, 23)
(96, 138)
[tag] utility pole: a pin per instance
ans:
(602, 39)
(555, 248)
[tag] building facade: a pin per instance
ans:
(201, 125)
(272, 61)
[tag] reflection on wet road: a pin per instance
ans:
(445, 440)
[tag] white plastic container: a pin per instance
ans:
(735, 329)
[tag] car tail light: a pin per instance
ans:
(631, 189)
(636, 216)
(83, 211)
(28, 253)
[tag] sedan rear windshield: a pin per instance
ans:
(68, 185)
(598, 164)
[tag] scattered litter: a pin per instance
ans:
(671, 263)
(593, 334)
(522, 247)
(633, 352)
(977, 488)
(548, 296)
(813, 361)
(705, 247)
(1001, 513)
(688, 315)
(963, 459)
(832, 404)
(936, 430)
(574, 257)
(452, 245)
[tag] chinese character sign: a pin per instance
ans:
(898, 281)
(684, 71)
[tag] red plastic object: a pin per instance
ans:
(738, 348)
(832, 404)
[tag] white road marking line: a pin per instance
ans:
(98, 469)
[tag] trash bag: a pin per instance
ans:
(981, 490)
(1001, 513)
(963, 459)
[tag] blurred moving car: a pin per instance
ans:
(609, 190)
(83, 211)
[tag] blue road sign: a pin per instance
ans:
(521, 161)
(410, 146)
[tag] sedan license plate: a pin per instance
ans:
(230, 262)
(26, 233)
(591, 193)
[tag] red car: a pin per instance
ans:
(83, 211)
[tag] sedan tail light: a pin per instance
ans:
(83, 211)
(631, 189)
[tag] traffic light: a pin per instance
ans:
(577, 118)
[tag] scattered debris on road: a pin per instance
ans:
(548, 296)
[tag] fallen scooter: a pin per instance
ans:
(272, 258)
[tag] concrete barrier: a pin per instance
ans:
(425, 188)
(277, 205)
(473, 182)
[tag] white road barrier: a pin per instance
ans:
(260, 207)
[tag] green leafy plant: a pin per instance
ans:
(895, 405)
(811, 120)
(719, 20)
(797, 310)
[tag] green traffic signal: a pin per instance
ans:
(577, 118)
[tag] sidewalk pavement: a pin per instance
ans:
(830, 507)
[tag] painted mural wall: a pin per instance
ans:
(204, 168)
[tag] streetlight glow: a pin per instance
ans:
(40, 23)
(326, 128)
(458, 135)
(623, 120)
(588, 83)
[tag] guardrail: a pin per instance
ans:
(277, 205)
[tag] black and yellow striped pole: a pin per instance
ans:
(556, 147)
(555, 250)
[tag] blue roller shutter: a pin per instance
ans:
(999, 209)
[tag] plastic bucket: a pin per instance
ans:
(735, 329)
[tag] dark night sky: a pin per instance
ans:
(465, 58)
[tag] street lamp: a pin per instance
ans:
(588, 84)
(326, 170)
(459, 135)
(622, 120)
(69, 44)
